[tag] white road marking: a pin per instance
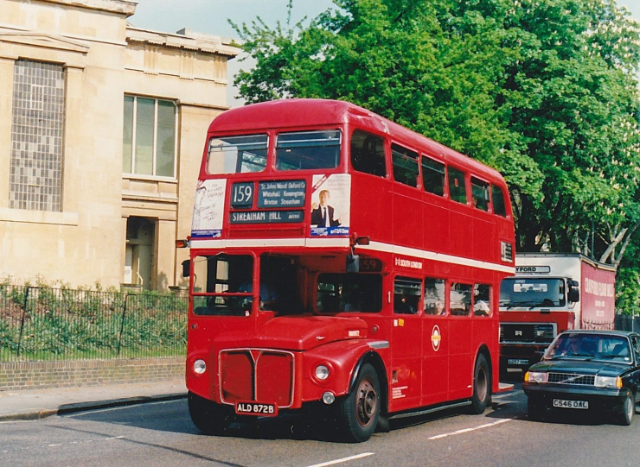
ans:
(467, 430)
(344, 459)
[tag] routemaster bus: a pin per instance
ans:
(342, 262)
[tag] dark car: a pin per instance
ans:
(587, 371)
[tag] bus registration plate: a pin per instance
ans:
(253, 408)
(566, 404)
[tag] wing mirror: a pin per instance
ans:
(186, 266)
(574, 291)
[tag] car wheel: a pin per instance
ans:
(358, 413)
(628, 410)
(210, 418)
(481, 385)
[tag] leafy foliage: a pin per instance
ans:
(545, 91)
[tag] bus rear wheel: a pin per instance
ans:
(358, 413)
(481, 385)
(210, 418)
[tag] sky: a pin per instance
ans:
(212, 17)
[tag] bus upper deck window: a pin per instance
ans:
(367, 153)
(498, 201)
(457, 188)
(237, 154)
(480, 194)
(308, 150)
(405, 165)
(433, 176)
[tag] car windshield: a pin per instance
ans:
(590, 346)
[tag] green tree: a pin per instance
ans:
(545, 91)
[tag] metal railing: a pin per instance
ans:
(42, 323)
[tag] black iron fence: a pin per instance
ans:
(42, 323)
(628, 323)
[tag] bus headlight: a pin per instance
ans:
(199, 367)
(536, 377)
(322, 372)
(608, 382)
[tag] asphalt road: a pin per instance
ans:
(161, 434)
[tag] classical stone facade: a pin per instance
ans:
(102, 132)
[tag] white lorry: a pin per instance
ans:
(550, 293)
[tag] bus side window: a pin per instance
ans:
(367, 153)
(482, 300)
(460, 299)
(433, 176)
(457, 188)
(405, 165)
(434, 297)
(406, 295)
(498, 201)
(480, 194)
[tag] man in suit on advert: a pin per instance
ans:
(323, 215)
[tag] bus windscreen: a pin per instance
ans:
(237, 154)
(308, 150)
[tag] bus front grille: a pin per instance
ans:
(257, 375)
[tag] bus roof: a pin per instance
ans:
(290, 113)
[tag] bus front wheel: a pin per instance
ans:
(481, 385)
(358, 413)
(210, 418)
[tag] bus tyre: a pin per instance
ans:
(210, 418)
(481, 385)
(358, 413)
(628, 410)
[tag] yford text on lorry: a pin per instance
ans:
(550, 293)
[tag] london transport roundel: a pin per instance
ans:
(436, 337)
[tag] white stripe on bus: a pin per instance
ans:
(344, 243)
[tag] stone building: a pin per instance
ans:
(102, 129)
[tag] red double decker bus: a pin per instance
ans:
(342, 262)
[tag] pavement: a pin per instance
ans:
(32, 404)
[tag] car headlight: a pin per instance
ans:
(608, 381)
(322, 372)
(536, 377)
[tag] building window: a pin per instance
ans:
(36, 136)
(149, 143)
